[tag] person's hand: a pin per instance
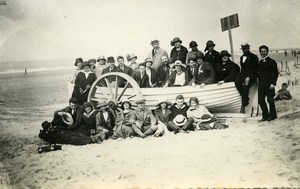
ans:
(194, 84)
(93, 131)
(272, 86)
(81, 90)
(221, 82)
(60, 113)
(202, 85)
(247, 80)
(87, 87)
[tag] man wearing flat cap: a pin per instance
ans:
(179, 52)
(142, 120)
(212, 56)
(248, 75)
(156, 54)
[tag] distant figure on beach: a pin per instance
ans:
(212, 56)
(267, 78)
(285, 53)
(248, 75)
(179, 77)
(283, 93)
(151, 72)
(156, 54)
(133, 64)
(25, 71)
(83, 82)
(179, 52)
(194, 51)
(78, 64)
(141, 77)
(142, 119)
(226, 70)
(163, 71)
(204, 72)
(100, 66)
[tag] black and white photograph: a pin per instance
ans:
(149, 94)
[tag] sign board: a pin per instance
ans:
(230, 22)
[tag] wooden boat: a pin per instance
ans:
(217, 98)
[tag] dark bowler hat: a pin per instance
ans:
(176, 39)
(224, 53)
(209, 43)
(78, 60)
(193, 44)
(110, 59)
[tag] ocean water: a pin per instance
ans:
(35, 66)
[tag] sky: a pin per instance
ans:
(67, 29)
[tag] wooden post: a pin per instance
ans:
(230, 39)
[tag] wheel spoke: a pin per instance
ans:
(123, 91)
(117, 87)
(102, 91)
(131, 96)
(109, 86)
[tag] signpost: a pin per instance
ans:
(228, 23)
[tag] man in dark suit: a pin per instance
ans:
(179, 52)
(212, 56)
(191, 68)
(124, 69)
(163, 72)
(111, 68)
(226, 70)
(267, 78)
(74, 109)
(141, 77)
(248, 75)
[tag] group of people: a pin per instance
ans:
(183, 68)
(85, 124)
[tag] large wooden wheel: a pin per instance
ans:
(115, 86)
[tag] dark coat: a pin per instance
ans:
(57, 121)
(81, 81)
(204, 74)
(267, 72)
(179, 55)
(127, 70)
(213, 58)
(164, 118)
(142, 82)
(227, 72)
(249, 68)
(172, 78)
(190, 73)
(107, 70)
(108, 124)
(176, 111)
(162, 74)
(153, 76)
(87, 123)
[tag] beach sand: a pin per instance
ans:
(247, 154)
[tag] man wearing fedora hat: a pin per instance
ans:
(179, 121)
(142, 120)
(248, 75)
(133, 64)
(100, 66)
(226, 70)
(179, 77)
(111, 68)
(179, 52)
(141, 77)
(156, 54)
(194, 51)
(150, 72)
(212, 56)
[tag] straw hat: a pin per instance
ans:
(131, 56)
(178, 63)
(164, 101)
(140, 100)
(180, 120)
(148, 60)
(67, 118)
(101, 58)
(206, 118)
(245, 45)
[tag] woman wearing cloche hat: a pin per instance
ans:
(179, 52)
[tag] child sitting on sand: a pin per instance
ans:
(283, 93)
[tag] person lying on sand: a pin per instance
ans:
(283, 93)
